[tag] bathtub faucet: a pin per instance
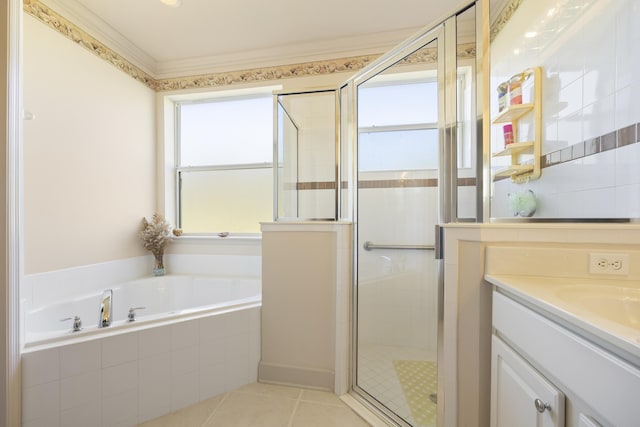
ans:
(106, 309)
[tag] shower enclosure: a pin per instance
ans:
(409, 125)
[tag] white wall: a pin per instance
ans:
(89, 155)
(588, 91)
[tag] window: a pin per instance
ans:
(398, 126)
(224, 158)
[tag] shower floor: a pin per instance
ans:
(377, 376)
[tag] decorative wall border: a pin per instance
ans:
(505, 15)
(611, 141)
(380, 183)
(71, 31)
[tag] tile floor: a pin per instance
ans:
(378, 377)
(265, 405)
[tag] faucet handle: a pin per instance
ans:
(132, 313)
(77, 323)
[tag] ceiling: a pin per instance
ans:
(213, 35)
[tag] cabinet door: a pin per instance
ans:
(520, 396)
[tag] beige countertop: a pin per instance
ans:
(605, 310)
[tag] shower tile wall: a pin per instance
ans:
(588, 53)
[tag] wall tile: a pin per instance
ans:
(82, 416)
(625, 107)
(598, 171)
(154, 341)
(570, 129)
(119, 349)
(41, 402)
(184, 390)
(628, 199)
(184, 334)
(120, 410)
(211, 351)
(154, 389)
(589, 92)
(600, 204)
(184, 360)
(80, 358)
(598, 117)
(120, 378)
(626, 48)
(42, 422)
(80, 390)
(212, 380)
(40, 367)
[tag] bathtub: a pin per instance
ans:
(197, 337)
(158, 299)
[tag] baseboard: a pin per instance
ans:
(319, 379)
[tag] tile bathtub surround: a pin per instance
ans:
(265, 405)
(127, 379)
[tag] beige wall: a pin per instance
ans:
(298, 287)
(89, 155)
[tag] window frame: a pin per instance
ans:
(173, 204)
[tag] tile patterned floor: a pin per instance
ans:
(377, 375)
(264, 405)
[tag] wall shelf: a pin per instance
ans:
(515, 148)
(514, 171)
(513, 113)
(523, 151)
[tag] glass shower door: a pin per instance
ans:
(397, 210)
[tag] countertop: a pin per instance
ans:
(563, 300)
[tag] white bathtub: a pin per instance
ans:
(163, 298)
(196, 338)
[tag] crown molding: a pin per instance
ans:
(92, 24)
(296, 53)
(200, 75)
(293, 53)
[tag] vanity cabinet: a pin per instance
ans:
(536, 356)
(520, 395)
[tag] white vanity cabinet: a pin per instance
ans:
(520, 395)
(534, 356)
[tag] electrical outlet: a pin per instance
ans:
(609, 263)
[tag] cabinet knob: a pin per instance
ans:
(541, 406)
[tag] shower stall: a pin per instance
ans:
(410, 152)
(397, 151)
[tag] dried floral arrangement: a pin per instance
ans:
(156, 234)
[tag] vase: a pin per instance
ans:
(158, 266)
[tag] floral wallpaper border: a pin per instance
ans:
(65, 27)
(505, 15)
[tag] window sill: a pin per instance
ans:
(214, 237)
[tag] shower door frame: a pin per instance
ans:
(446, 35)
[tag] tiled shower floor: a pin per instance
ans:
(265, 405)
(377, 375)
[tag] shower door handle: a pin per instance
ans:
(369, 246)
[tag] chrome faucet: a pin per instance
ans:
(106, 309)
(77, 323)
